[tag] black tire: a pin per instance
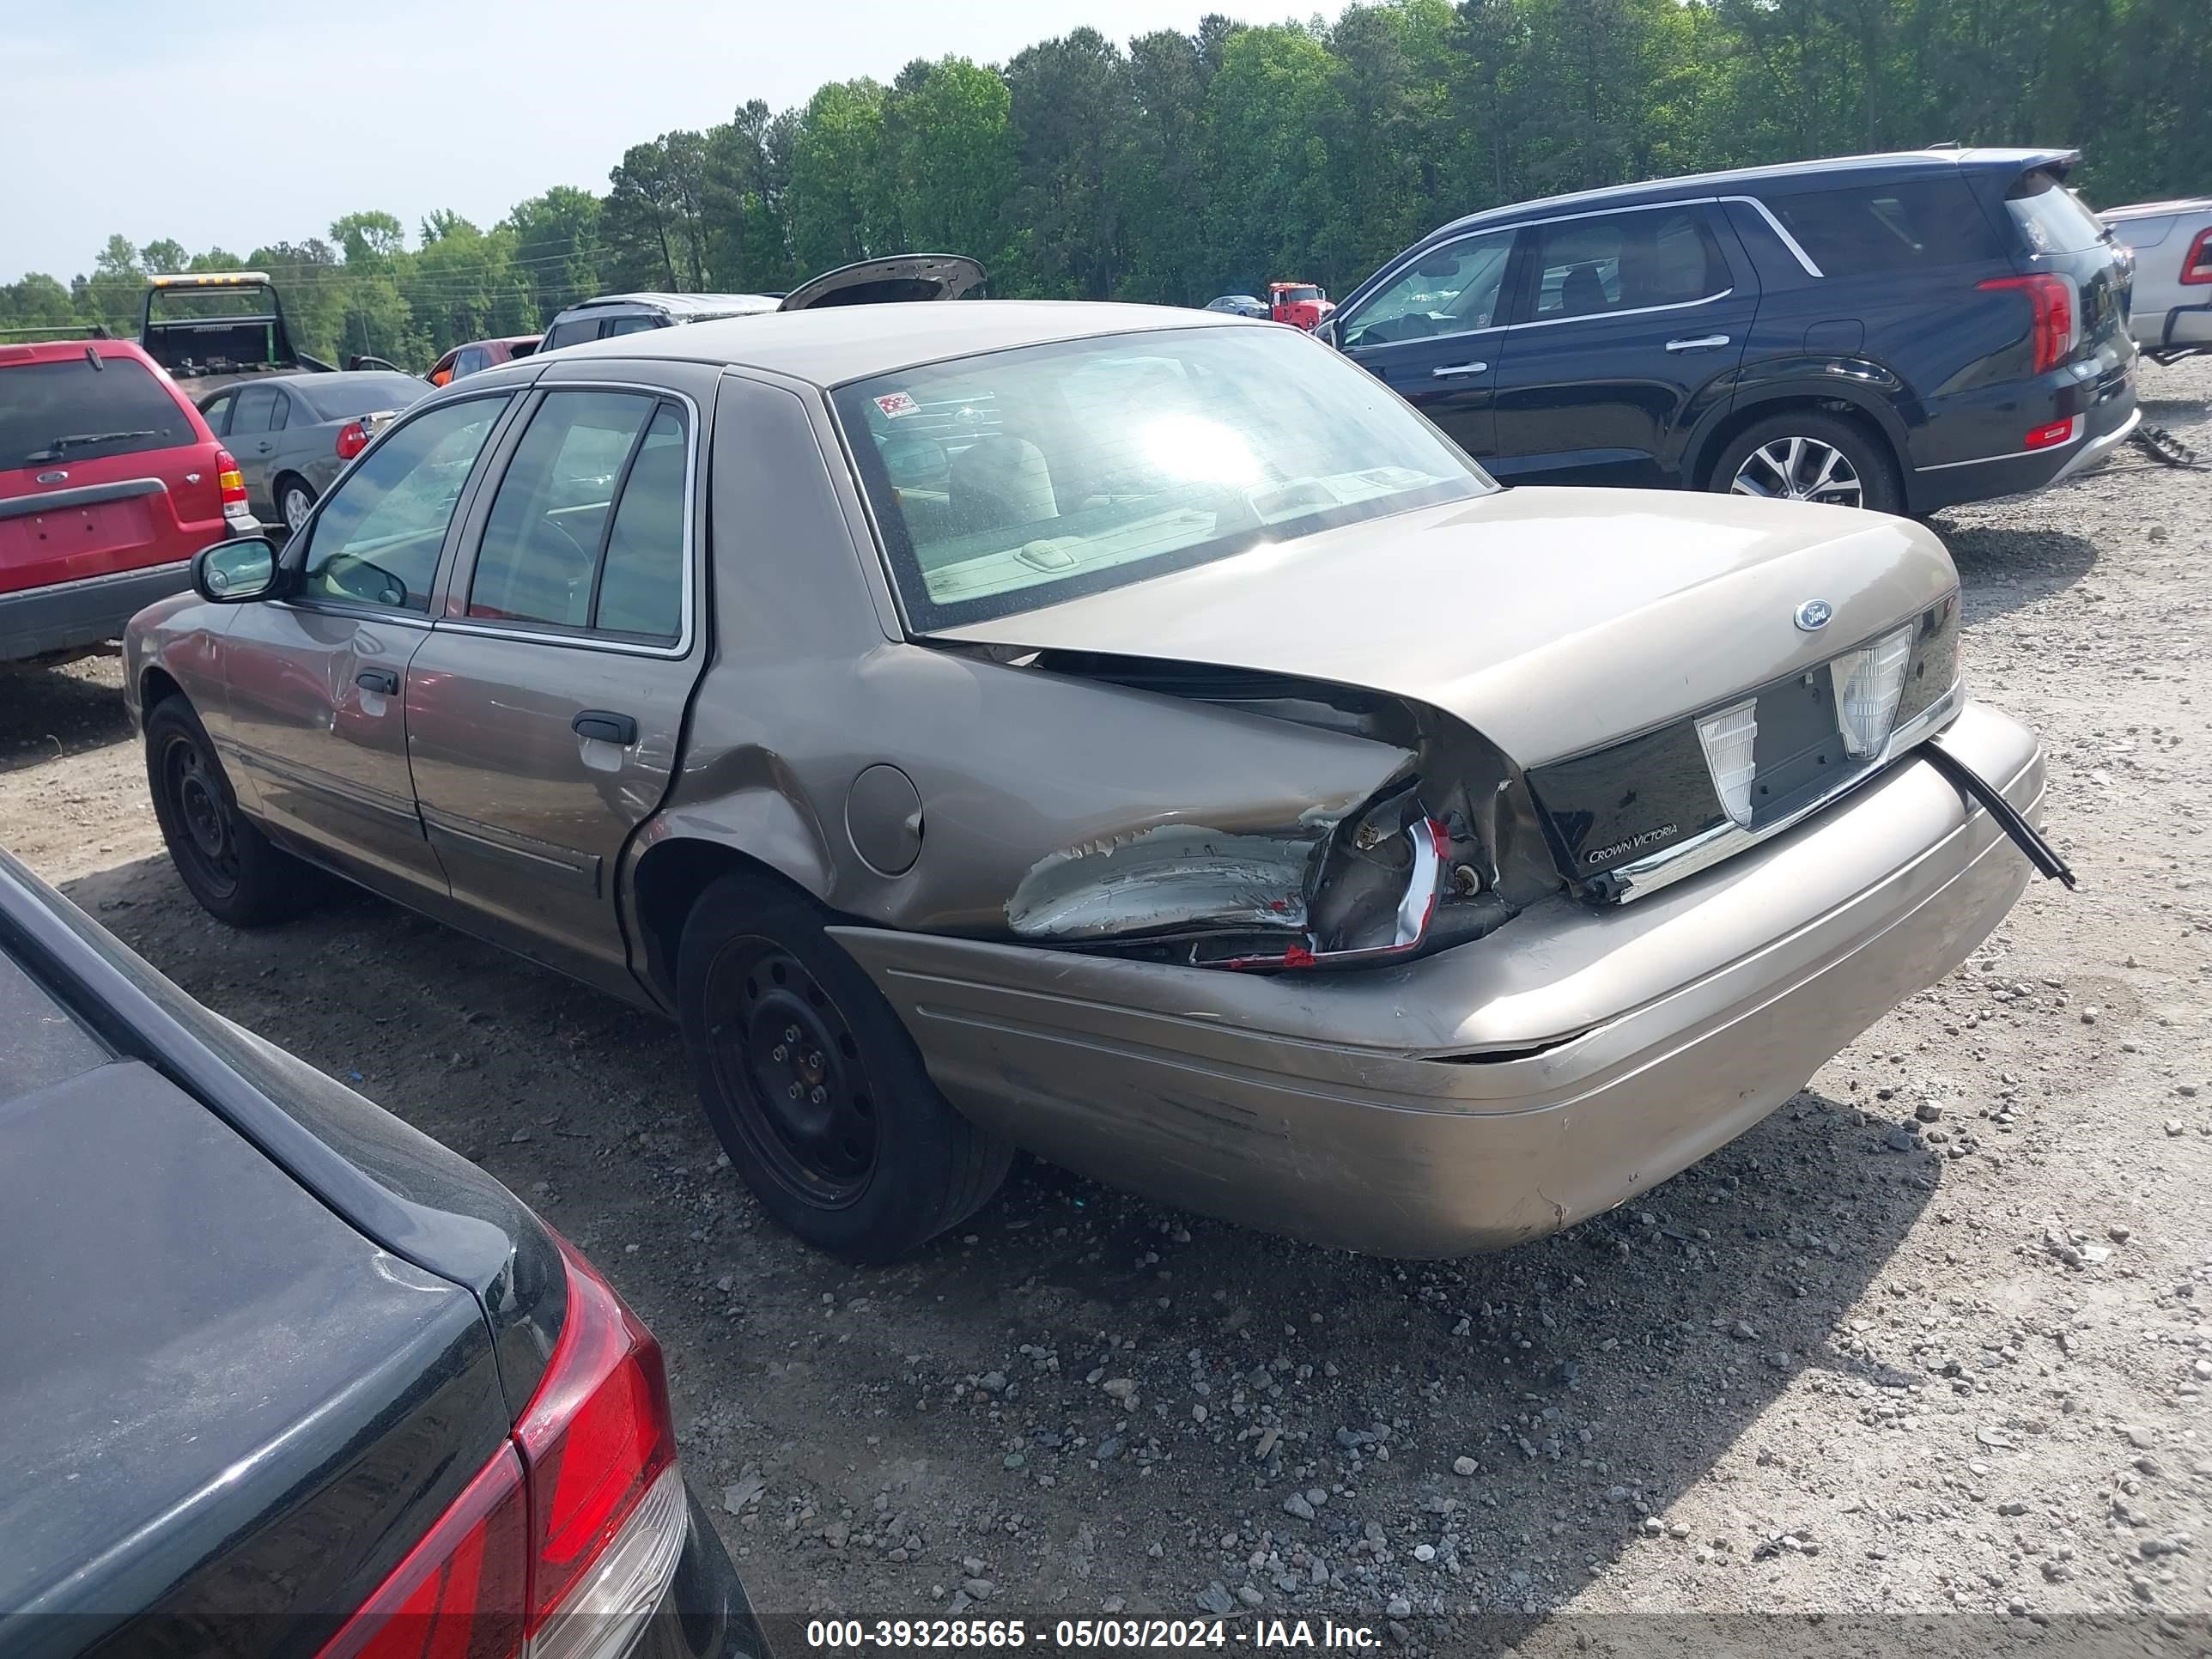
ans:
(291, 484)
(1880, 487)
(868, 1161)
(237, 873)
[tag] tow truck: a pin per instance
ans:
(210, 328)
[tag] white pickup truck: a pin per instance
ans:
(2172, 316)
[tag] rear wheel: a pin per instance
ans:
(237, 873)
(815, 1090)
(1803, 455)
(293, 501)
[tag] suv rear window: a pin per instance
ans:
(2050, 217)
(70, 411)
(575, 333)
(1864, 229)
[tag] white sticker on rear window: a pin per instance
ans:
(895, 403)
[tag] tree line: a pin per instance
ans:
(1183, 166)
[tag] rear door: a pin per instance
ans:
(316, 679)
(1435, 335)
(103, 470)
(252, 437)
(545, 709)
(1629, 326)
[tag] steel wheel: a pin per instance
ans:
(785, 1054)
(210, 839)
(295, 504)
(1799, 470)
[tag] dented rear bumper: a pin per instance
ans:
(1494, 1092)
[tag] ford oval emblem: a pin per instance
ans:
(1812, 615)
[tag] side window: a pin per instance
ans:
(1452, 290)
(572, 333)
(632, 325)
(469, 362)
(283, 414)
(1627, 262)
(377, 538)
(587, 528)
(1909, 225)
(217, 414)
(255, 411)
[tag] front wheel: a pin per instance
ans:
(1806, 456)
(294, 502)
(237, 873)
(814, 1086)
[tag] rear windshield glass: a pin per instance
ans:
(1913, 224)
(1021, 478)
(359, 394)
(70, 411)
(40, 1043)
(2050, 217)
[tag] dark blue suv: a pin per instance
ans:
(1900, 332)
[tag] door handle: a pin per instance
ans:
(1448, 370)
(378, 679)
(607, 726)
(1702, 343)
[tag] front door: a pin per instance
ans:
(1629, 328)
(545, 708)
(1433, 337)
(316, 679)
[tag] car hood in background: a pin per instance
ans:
(1551, 621)
(875, 281)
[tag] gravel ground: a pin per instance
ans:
(1931, 1342)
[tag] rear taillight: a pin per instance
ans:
(2055, 313)
(232, 484)
(353, 438)
(2197, 264)
(565, 1542)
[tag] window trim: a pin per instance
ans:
(585, 639)
(303, 538)
(1765, 212)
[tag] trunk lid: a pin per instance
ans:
(2052, 230)
(1554, 622)
(219, 1403)
(875, 281)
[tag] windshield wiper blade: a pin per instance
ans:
(54, 447)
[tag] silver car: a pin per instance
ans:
(1127, 733)
(2171, 314)
(293, 434)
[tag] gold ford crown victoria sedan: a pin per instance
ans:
(1129, 734)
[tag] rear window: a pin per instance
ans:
(2050, 217)
(1917, 224)
(569, 334)
(40, 1044)
(359, 394)
(70, 411)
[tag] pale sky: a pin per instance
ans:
(250, 121)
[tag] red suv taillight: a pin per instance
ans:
(353, 438)
(232, 483)
(2197, 264)
(567, 1539)
(2052, 297)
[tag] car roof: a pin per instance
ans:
(832, 345)
(55, 351)
(681, 305)
(334, 378)
(2154, 209)
(1700, 184)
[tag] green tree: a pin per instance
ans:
(951, 155)
(556, 247)
(1073, 106)
(843, 206)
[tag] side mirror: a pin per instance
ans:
(1325, 331)
(235, 572)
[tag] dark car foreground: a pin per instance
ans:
(1902, 333)
(281, 1375)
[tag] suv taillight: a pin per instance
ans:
(232, 483)
(2197, 264)
(567, 1539)
(2053, 298)
(353, 438)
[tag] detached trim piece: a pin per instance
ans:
(1975, 787)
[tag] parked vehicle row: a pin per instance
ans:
(283, 1375)
(1438, 865)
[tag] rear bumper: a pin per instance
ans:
(1495, 1092)
(66, 616)
(2105, 409)
(2179, 328)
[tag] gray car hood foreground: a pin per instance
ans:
(1551, 621)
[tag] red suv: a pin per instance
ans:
(109, 482)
